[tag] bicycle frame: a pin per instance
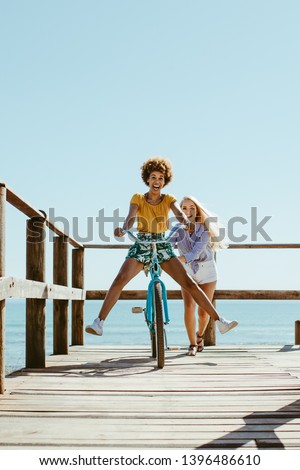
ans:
(155, 272)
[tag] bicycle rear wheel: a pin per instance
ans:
(153, 343)
(159, 319)
(152, 333)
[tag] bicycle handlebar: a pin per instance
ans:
(148, 242)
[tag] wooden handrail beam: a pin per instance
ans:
(10, 287)
(219, 294)
(257, 294)
(110, 246)
(264, 245)
(30, 211)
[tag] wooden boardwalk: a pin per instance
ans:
(107, 397)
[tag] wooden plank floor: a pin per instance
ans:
(107, 397)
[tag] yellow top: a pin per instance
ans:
(152, 219)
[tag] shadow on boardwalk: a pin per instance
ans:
(289, 413)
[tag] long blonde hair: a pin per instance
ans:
(215, 229)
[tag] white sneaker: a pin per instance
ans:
(96, 328)
(225, 325)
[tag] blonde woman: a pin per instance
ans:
(196, 247)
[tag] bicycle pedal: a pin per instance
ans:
(137, 309)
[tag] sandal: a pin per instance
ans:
(200, 342)
(192, 350)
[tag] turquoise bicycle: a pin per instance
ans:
(156, 310)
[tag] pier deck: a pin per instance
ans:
(115, 397)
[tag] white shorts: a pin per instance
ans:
(207, 272)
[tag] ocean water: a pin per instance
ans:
(260, 322)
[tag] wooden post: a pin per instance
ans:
(297, 332)
(78, 305)
(2, 274)
(35, 308)
(210, 332)
(60, 307)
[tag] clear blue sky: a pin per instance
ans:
(90, 90)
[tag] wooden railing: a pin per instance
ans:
(36, 290)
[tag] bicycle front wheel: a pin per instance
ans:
(159, 320)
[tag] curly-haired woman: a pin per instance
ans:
(151, 211)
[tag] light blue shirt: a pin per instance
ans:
(195, 247)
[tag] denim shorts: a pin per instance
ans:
(142, 252)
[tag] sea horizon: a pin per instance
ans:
(262, 322)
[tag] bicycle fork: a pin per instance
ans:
(155, 272)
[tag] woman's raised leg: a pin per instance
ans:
(203, 317)
(176, 270)
(129, 269)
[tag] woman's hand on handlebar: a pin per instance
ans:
(119, 232)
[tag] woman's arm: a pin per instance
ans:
(128, 222)
(199, 243)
